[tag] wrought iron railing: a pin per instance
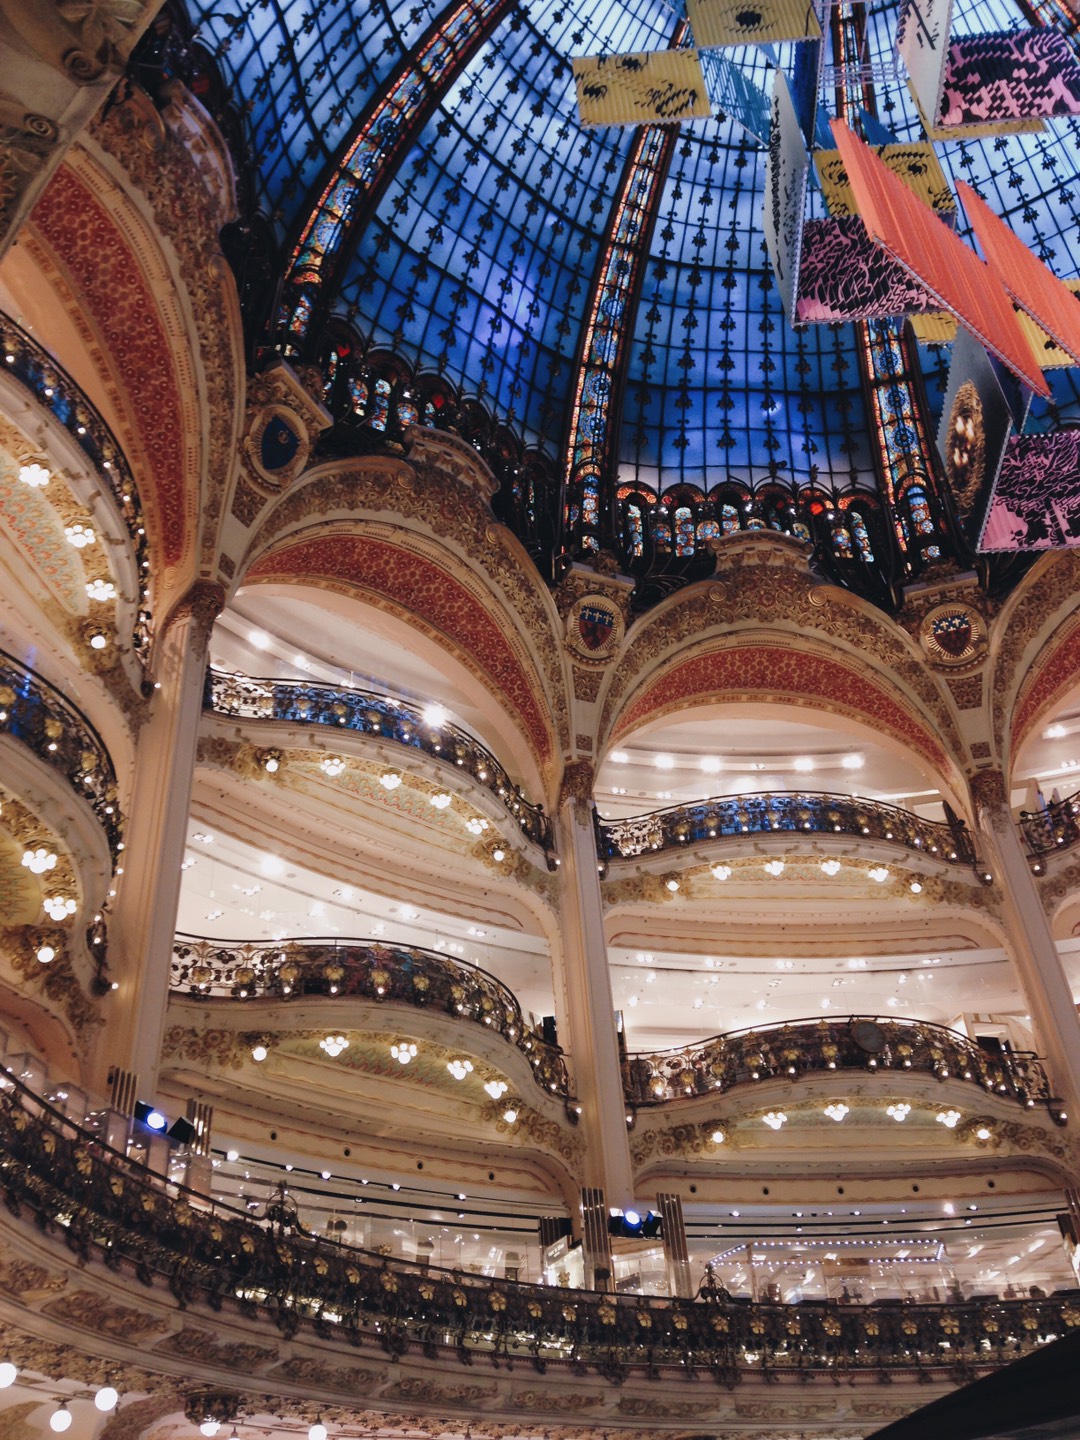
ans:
(37, 715)
(109, 1208)
(1055, 827)
(387, 974)
(805, 812)
(365, 712)
(803, 1047)
(33, 366)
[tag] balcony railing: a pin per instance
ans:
(36, 714)
(33, 366)
(365, 712)
(1056, 827)
(108, 1208)
(805, 1047)
(387, 974)
(807, 813)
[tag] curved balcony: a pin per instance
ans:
(51, 385)
(806, 813)
(108, 1208)
(1057, 827)
(36, 714)
(364, 712)
(805, 1047)
(386, 974)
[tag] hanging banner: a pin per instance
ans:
(937, 257)
(787, 173)
(843, 275)
(917, 165)
(655, 87)
(734, 93)
(1036, 502)
(976, 424)
(922, 41)
(1004, 79)
(720, 22)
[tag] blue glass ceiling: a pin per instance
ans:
(480, 257)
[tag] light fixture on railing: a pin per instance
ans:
(39, 860)
(836, 1111)
(898, 1112)
(334, 1045)
(435, 717)
(949, 1118)
(403, 1051)
(774, 1119)
(459, 1068)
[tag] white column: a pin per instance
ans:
(590, 1016)
(143, 921)
(1030, 941)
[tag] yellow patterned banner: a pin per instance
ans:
(722, 22)
(916, 165)
(657, 86)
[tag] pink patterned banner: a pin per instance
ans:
(1036, 502)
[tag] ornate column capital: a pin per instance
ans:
(991, 795)
(201, 604)
(576, 788)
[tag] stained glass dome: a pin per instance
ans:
(478, 254)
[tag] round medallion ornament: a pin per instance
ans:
(594, 628)
(276, 446)
(953, 635)
(869, 1036)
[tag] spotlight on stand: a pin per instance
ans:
(150, 1117)
(631, 1225)
(182, 1132)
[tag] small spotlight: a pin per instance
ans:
(106, 1398)
(60, 1419)
(8, 1375)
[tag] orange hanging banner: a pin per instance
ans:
(953, 274)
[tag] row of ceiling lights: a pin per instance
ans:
(711, 765)
(837, 1110)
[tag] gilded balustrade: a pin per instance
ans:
(50, 384)
(1055, 827)
(386, 974)
(837, 1045)
(107, 1207)
(366, 712)
(37, 715)
(802, 813)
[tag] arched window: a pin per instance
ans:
(684, 531)
(841, 542)
(729, 519)
(861, 536)
(380, 411)
(707, 530)
(661, 533)
(407, 413)
(635, 529)
(358, 396)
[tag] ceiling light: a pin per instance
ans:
(435, 717)
(272, 866)
(852, 762)
(664, 762)
(440, 801)
(898, 1112)
(318, 1431)
(210, 1428)
(39, 860)
(803, 763)
(948, 1118)
(774, 1119)
(1056, 731)
(774, 867)
(333, 765)
(915, 887)
(334, 1045)
(510, 1115)
(58, 908)
(106, 1398)
(98, 641)
(459, 1068)
(836, 1112)
(46, 954)
(101, 590)
(60, 1419)
(8, 1375)
(982, 1133)
(721, 872)
(496, 1088)
(718, 1137)
(672, 885)
(36, 476)
(476, 826)
(390, 781)
(499, 855)
(620, 757)
(831, 867)
(878, 873)
(259, 1053)
(403, 1051)
(710, 765)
